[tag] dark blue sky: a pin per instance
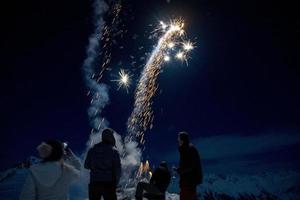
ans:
(239, 93)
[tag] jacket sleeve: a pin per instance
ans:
(193, 163)
(87, 162)
(198, 167)
(196, 159)
(117, 166)
(73, 174)
(28, 190)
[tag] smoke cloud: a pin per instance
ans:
(98, 92)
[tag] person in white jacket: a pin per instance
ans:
(50, 179)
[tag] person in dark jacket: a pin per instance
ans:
(190, 169)
(158, 185)
(104, 162)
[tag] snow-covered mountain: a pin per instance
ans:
(283, 185)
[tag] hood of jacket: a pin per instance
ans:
(47, 173)
(108, 138)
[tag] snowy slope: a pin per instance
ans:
(279, 185)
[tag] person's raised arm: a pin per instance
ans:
(87, 162)
(74, 160)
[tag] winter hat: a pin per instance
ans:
(51, 150)
(108, 136)
(184, 137)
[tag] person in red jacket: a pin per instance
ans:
(190, 169)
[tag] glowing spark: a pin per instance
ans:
(150, 174)
(144, 171)
(163, 25)
(180, 55)
(187, 46)
(174, 27)
(124, 80)
(171, 45)
(167, 58)
(181, 32)
(146, 167)
(107, 38)
(140, 171)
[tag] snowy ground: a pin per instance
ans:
(280, 185)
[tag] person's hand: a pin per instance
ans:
(69, 152)
(175, 169)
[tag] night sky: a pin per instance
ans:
(238, 97)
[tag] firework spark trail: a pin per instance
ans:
(99, 41)
(98, 92)
(107, 37)
(142, 115)
(124, 80)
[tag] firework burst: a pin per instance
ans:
(188, 45)
(142, 115)
(124, 80)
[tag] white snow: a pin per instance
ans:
(285, 185)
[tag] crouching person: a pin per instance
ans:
(51, 178)
(104, 162)
(158, 185)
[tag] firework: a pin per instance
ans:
(107, 37)
(167, 58)
(187, 46)
(144, 171)
(171, 45)
(124, 80)
(180, 55)
(101, 39)
(163, 25)
(142, 115)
